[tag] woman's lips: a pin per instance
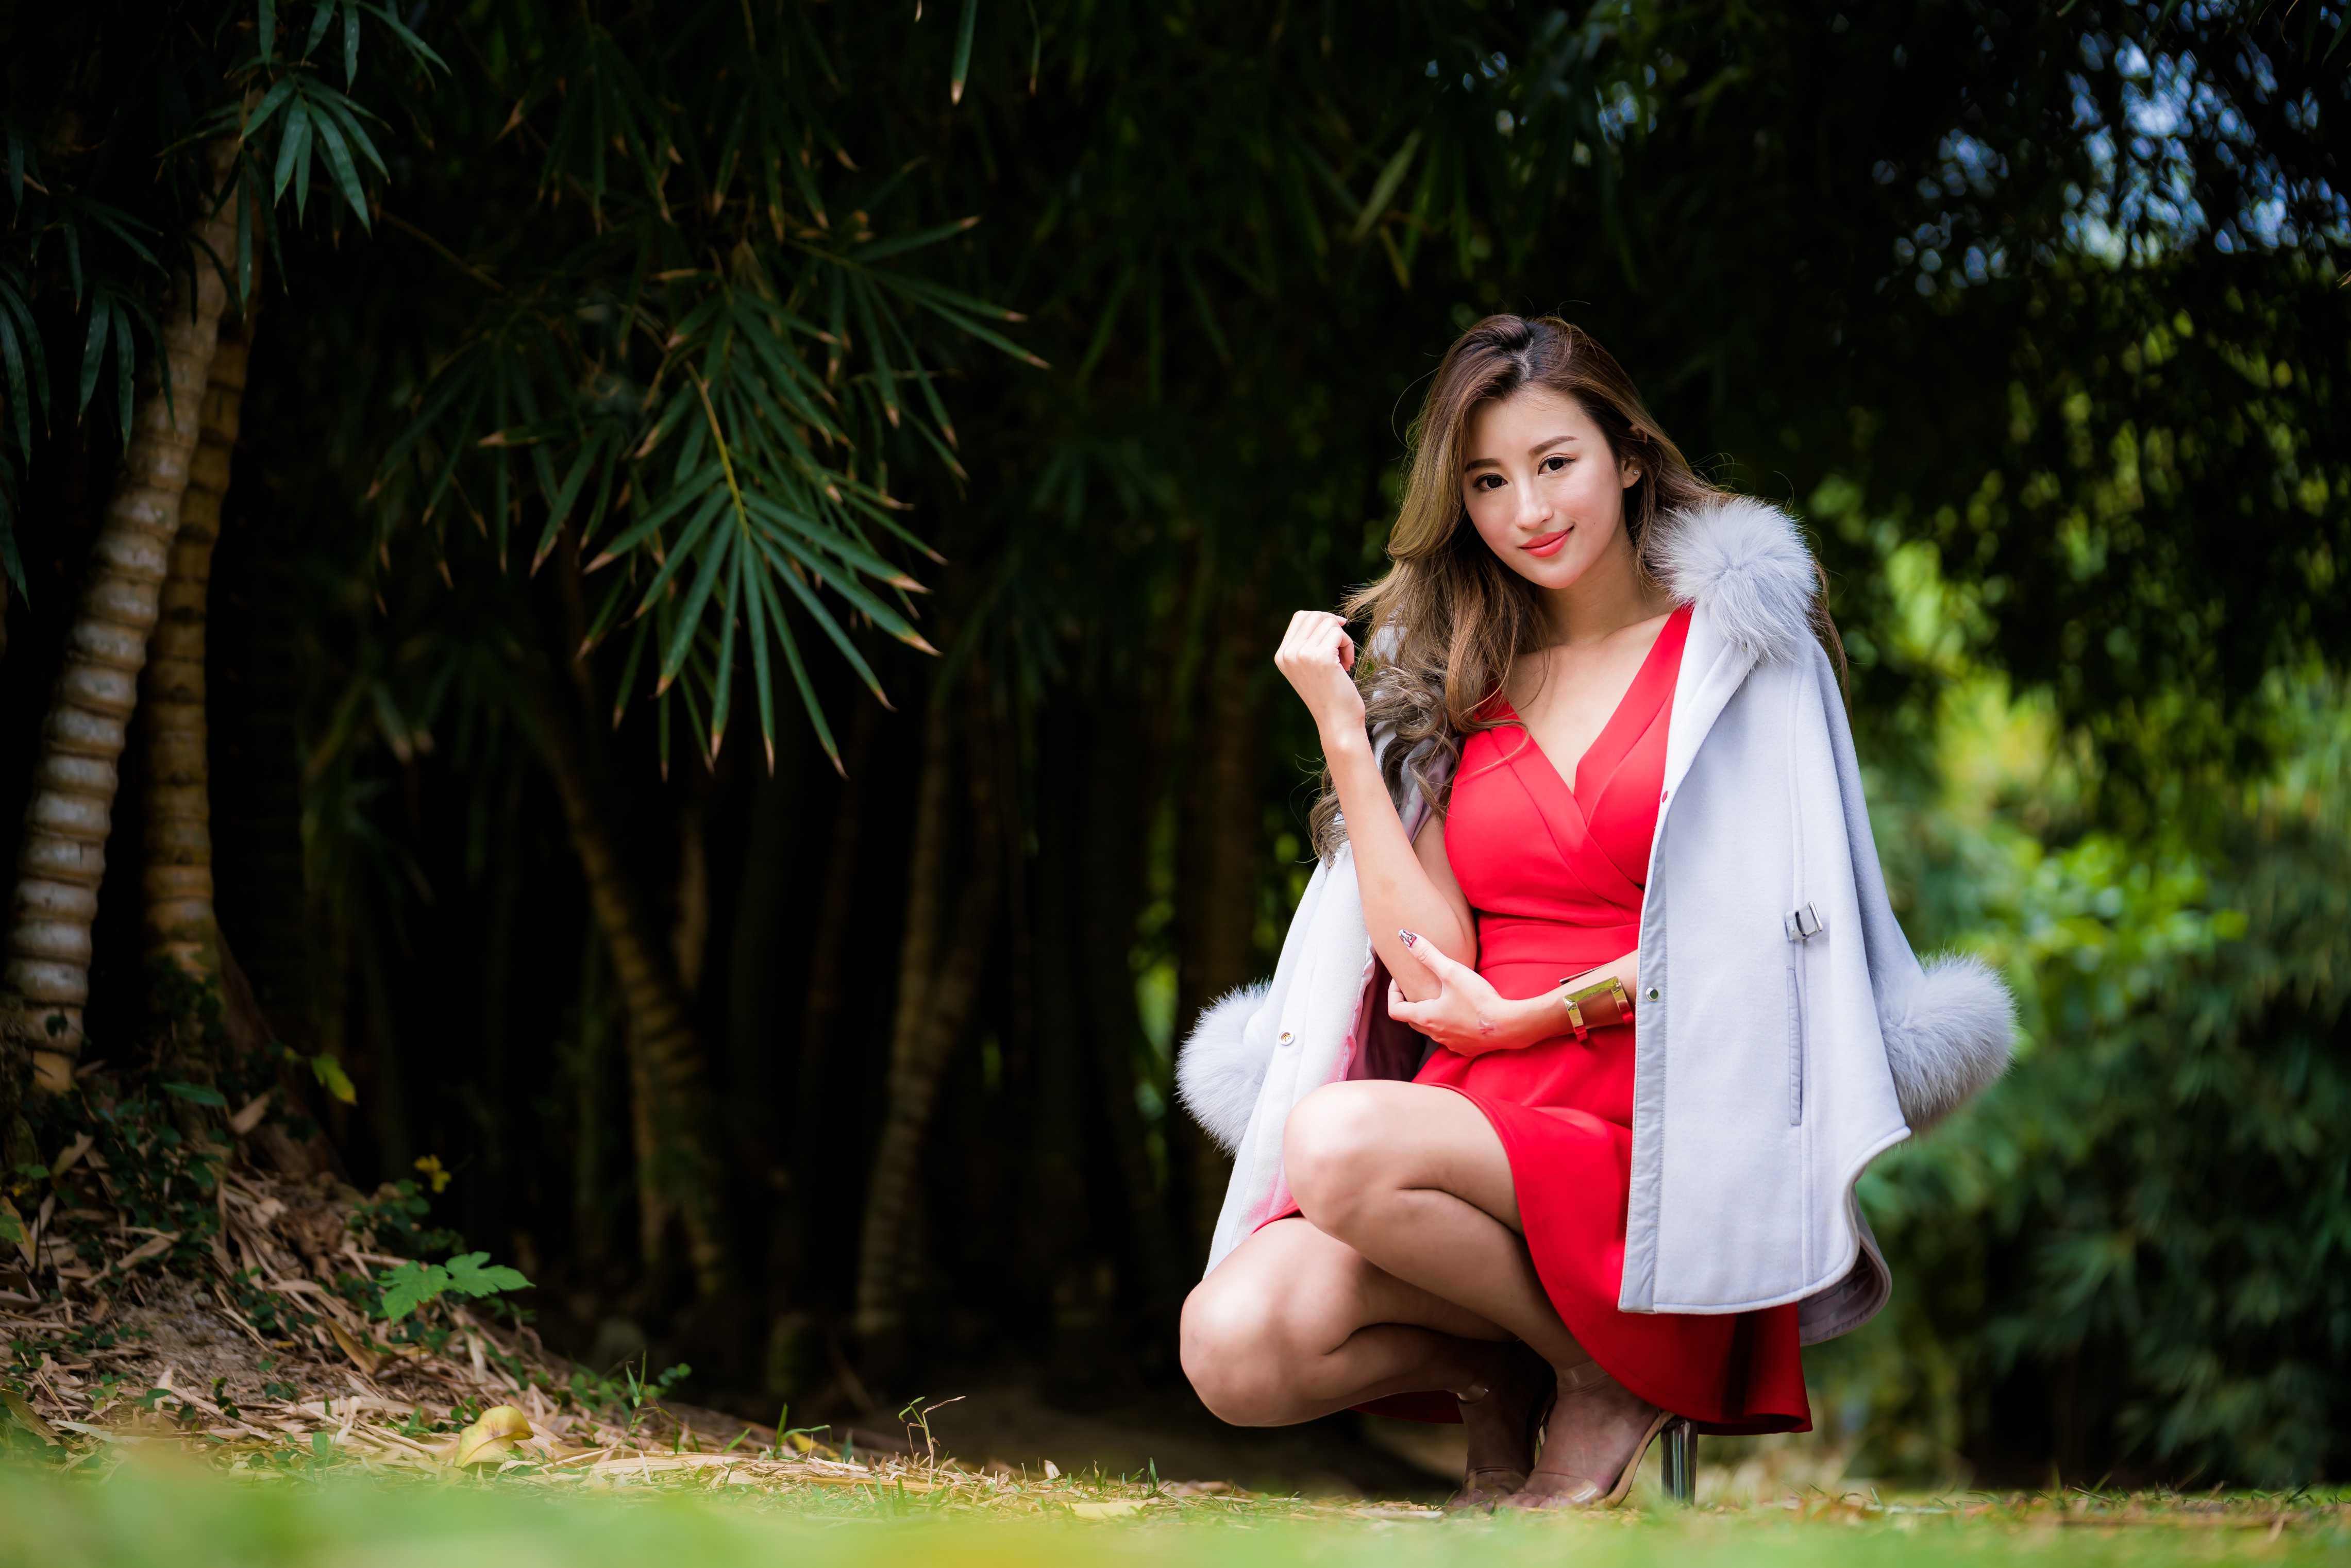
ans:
(1546, 544)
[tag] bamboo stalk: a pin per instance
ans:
(61, 859)
(939, 973)
(182, 927)
(676, 1118)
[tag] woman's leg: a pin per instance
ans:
(1415, 1180)
(1295, 1324)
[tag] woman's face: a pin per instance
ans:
(1542, 486)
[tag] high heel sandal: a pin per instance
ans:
(1562, 1489)
(1507, 1406)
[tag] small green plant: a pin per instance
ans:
(394, 1219)
(410, 1285)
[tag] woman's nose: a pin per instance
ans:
(1534, 507)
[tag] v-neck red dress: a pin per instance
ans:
(1555, 877)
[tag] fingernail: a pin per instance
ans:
(1406, 937)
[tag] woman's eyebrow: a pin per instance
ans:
(1535, 451)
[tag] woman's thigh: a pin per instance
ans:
(1351, 1144)
(1292, 1290)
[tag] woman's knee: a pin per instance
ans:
(1331, 1152)
(1233, 1346)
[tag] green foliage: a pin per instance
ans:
(394, 1217)
(2131, 1252)
(624, 1391)
(410, 1285)
(691, 370)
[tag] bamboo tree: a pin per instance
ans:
(61, 858)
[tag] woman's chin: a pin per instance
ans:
(1554, 572)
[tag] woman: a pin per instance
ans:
(1570, 1225)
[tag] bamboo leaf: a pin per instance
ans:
(687, 544)
(293, 142)
(766, 587)
(321, 20)
(347, 177)
(268, 29)
(93, 349)
(722, 684)
(20, 402)
(782, 572)
(689, 611)
(126, 356)
(558, 507)
(629, 671)
(271, 102)
(680, 496)
(849, 588)
(416, 47)
(963, 50)
(351, 43)
(756, 628)
(897, 245)
(1383, 189)
(346, 114)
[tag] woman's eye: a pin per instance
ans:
(1487, 482)
(1554, 464)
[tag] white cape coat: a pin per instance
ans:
(1784, 1034)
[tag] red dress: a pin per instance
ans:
(1555, 877)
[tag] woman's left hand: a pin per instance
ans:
(1467, 1015)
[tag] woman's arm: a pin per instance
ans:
(1317, 657)
(1464, 1013)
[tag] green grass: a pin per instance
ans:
(177, 1514)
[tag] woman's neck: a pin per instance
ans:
(1610, 596)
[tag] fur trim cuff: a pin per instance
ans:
(1218, 1072)
(1949, 1039)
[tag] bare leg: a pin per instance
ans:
(1295, 1324)
(1414, 1178)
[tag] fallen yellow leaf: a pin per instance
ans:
(30, 1417)
(1119, 1509)
(493, 1438)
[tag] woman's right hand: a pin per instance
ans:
(1317, 659)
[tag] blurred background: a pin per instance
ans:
(730, 716)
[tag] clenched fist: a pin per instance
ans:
(1317, 659)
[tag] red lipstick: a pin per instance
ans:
(1546, 544)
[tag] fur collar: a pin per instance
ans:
(1743, 559)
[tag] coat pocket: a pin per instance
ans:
(1795, 1050)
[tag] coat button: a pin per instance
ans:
(1653, 993)
(1285, 1037)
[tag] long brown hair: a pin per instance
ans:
(1449, 617)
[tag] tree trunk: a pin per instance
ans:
(670, 1079)
(183, 931)
(62, 857)
(939, 971)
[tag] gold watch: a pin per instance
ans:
(1586, 1004)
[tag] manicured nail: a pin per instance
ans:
(1406, 937)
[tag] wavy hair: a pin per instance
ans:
(1450, 618)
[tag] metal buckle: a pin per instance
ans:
(1802, 924)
